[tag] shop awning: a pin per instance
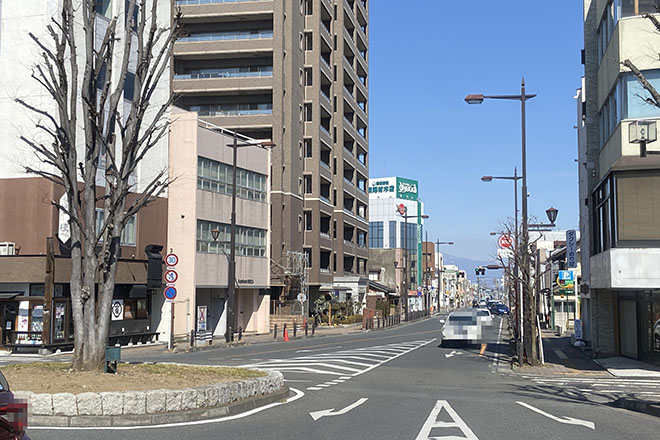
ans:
(333, 288)
(378, 287)
(138, 291)
(9, 295)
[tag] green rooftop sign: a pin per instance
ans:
(406, 188)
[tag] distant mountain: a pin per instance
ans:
(468, 265)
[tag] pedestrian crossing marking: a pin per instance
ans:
(344, 364)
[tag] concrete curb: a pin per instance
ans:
(139, 408)
(638, 405)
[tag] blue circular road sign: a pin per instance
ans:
(170, 292)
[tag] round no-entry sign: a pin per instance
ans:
(169, 292)
(505, 242)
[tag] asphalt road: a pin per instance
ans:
(396, 384)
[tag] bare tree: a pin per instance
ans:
(85, 75)
(523, 279)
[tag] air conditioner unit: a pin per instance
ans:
(7, 248)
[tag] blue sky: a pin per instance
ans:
(425, 57)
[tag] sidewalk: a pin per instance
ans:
(563, 359)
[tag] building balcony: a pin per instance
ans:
(625, 268)
(192, 85)
(213, 49)
(238, 122)
(200, 11)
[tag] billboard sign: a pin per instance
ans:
(406, 188)
(383, 187)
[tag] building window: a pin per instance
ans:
(309, 42)
(308, 147)
(103, 7)
(250, 242)
(392, 244)
(308, 112)
(217, 177)
(374, 275)
(308, 254)
(129, 86)
(412, 236)
(362, 239)
(308, 184)
(308, 76)
(637, 208)
(308, 220)
(375, 234)
(128, 235)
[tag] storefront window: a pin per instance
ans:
(58, 323)
(36, 290)
(655, 324)
(142, 310)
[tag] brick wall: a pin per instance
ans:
(602, 323)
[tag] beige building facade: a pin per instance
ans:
(200, 160)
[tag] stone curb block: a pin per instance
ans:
(130, 420)
(638, 405)
(66, 409)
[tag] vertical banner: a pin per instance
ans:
(571, 249)
(419, 243)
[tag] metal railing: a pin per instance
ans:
(228, 36)
(224, 74)
(208, 2)
(286, 307)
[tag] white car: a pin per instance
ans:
(485, 317)
(462, 326)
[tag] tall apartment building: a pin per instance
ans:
(295, 72)
(621, 234)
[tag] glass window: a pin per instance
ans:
(635, 104)
(249, 241)
(638, 207)
(128, 233)
(129, 86)
(375, 234)
(217, 177)
(392, 244)
(103, 7)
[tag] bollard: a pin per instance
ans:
(192, 338)
(313, 328)
(231, 334)
(275, 331)
(295, 329)
(306, 328)
(240, 333)
(377, 321)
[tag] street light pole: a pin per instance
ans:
(524, 257)
(231, 266)
(231, 276)
(403, 211)
(405, 265)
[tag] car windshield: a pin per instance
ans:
(483, 312)
(461, 318)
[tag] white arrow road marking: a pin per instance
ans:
(432, 422)
(329, 412)
(566, 420)
(453, 353)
